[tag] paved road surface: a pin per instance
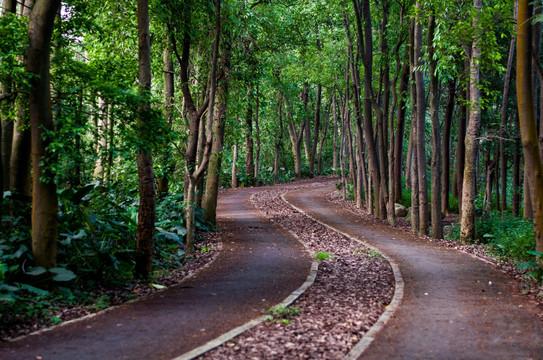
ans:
(259, 266)
(449, 310)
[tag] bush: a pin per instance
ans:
(508, 236)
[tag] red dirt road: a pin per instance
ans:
(259, 266)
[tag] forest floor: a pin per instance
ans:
(353, 286)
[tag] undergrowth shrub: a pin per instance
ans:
(508, 236)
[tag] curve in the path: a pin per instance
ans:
(454, 306)
(259, 266)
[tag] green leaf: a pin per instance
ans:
(35, 271)
(8, 288)
(535, 253)
(34, 289)
(62, 274)
(9, 297)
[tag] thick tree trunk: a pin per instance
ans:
(147, 207)
(436, 189)
(467, 224)
(44, 194)
(528, 127)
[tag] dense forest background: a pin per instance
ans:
(122, 119)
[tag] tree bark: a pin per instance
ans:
(7, 105)
(527, 120)
(516, 178)
(503, 121)
(211, 194)
(400, 129)
(415, 213)
(249, 143)
(446, 150)
(421, 126)
(257, 131)
(436, 189)
(147, 207)
(467, 224)
(169, 92)
(234, 181)
(334, 138)
(44, 194)
(313, 153)
(365, 43)
(21, 144)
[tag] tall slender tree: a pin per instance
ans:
(467, 224)
(528, 127)
(146, 178)
(44, 190)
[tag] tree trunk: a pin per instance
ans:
(313, 154)
(163, 179)
(446, 150)
(21, 153)
(528, 127)
(334, 138)
(7, 105)
(147, 207)
(421, 127)
(323, 139)
(211, 194)
(257, 130)
(415, 210)
(467, 224)
(460, 150)
(516, 178)
(44, 194)
(102, 134)
(503, 118)
(234, 181)
(249, 143)
(400, 129)
(436, 189)
(278, 142)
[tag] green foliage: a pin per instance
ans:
(322, 255)
(507, 236)
(282, 314)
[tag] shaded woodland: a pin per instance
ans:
(121, 120)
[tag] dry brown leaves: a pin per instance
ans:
(350, 292)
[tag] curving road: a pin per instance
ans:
(259, 266)
(454, 306)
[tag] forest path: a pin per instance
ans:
(454, 306)
(259, 266)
